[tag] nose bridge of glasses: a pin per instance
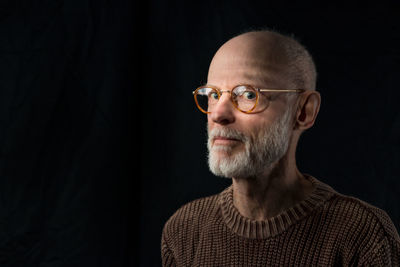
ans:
(227, 98)
(221, 92)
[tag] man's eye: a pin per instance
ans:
(249, 95)
(213, 95)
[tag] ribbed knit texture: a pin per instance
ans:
(326, 229)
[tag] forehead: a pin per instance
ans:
(241, 71)
(246, 63)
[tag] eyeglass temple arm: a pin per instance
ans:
(275, 90)
(282, 90)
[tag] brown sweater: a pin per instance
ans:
(326, 229)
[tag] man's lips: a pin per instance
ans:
(221, 140)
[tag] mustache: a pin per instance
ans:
(226, 132)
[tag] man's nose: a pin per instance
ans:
(223, 112)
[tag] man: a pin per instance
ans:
(260, 96)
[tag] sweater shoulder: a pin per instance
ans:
(364, 213)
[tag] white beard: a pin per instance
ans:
(261, 150)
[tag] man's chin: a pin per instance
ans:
(223, 155)
(226, 164)
(219, 157)
(221, 152)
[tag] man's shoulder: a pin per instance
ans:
(361, 214)
(193, 213)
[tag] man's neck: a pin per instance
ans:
(276, 190)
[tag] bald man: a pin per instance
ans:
(259, 97)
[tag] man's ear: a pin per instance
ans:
(308, 108)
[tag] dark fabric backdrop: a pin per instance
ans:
(101, 141)
(66, 167)
(355, 144)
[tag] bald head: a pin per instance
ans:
(275, 56)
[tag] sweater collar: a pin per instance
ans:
(248, 228)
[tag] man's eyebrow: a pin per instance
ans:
(239, 84)
(208, 84)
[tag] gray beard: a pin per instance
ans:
(261, 150)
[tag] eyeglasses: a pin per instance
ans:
(245, 98)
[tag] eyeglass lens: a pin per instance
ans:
(243, 97)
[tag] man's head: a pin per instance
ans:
(243, 145)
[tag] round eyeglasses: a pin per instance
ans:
(245, 98)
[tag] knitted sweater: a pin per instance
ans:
(326, 229)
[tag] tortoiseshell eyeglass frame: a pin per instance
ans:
(257, 90)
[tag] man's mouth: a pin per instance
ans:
(222, 140)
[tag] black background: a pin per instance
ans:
(66, 100)
(100, 138)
